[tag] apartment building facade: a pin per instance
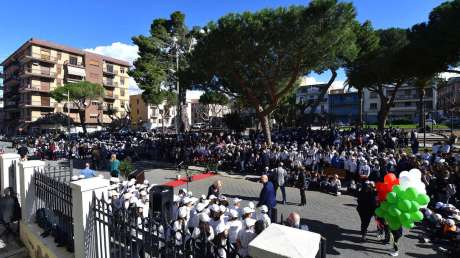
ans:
(149, 116)
(406, 105)
(344, 106)
(449, 97)
(309, 93)
(39, 66)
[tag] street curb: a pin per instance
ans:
(225, 174)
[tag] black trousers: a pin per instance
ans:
(365, 221)
(397, 234)
(303, 198)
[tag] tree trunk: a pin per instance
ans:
(360, 108)
(421, 118)
(82, 114)
(383, 115)
(265, 123)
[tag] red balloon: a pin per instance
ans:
(390, 178)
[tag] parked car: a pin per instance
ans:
(198, 126)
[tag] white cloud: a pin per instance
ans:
(308, 80)
(120, 51)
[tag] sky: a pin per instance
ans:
(106, 26)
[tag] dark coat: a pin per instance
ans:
(212, 190)
(268, 195)
(367, 202)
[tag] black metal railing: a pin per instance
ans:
(126, 233)
(53, 204)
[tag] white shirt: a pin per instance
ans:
(234, 228)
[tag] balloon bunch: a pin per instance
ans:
(402, 205)
(384, 188)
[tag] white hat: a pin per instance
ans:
(176, 198)
(74, 178)
(439, 205)
(222, 208)
(236, 200)
(215, 208)
(249, 222)
(200, 207)
(182, 212)
(220, 228)
(251, 205)
(114, 180)
(143, 193)
(204, 217)
(234, 213)
(131, 183)
(212, 197)
(146, 182)
(190, 194)
(247, 210)
(203, 197)
(81, 177)
(186, 200)
(139, 204)
(127, 196)
(263, 208)
(450, 222)
(133, 199)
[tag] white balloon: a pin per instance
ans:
(404, 182)
(404, 174)
(416, 173)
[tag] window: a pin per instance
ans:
(122, 81)
(373, 106)
(137, 111)
(59, 55)
(137, 100)
(407, 104)
(73, 60)
(407, 92)
(122, 92)
(122, 70)
(122, 104)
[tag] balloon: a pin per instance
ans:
(379, 212)
(416, 173)
(404, 205)
(384, 206)
(397, 189)
(404, 182)
(389, 178)
(408, 224)
(394, 226)
(416, 216)
(411, 193)
(391, 197)
(423, 199)
(415, 206)
(394, 212)
(403, 174)
(405, 217)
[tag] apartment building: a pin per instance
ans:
(149, 116)
(344, 106)
(406, 105)
(309, 93)
(39, 66)
(449, 96)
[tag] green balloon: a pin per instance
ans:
(391, 197)
(379, 212)
(384, 206)
(404, 205)
(423, 199)
(415, 206)
(394, 226)
(416, 216)
(408, 224)
(405, 217)
(411, 193)
(394, 212)
(398, 190)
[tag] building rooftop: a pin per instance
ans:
(52, 45)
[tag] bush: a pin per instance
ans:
(401, 122)
(126, 167)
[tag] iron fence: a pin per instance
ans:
(126, 233)
(53, 204)
(59, 173)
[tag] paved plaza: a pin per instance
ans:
(334, 217)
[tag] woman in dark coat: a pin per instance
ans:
(367, 204)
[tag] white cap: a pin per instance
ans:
(249, 222)
(143, 193)
(203, 197)
(176, 198)
(200, 207)
(139, 204)
(236, 200)
(222, 208)
(263, 208)
(212, 197)
(81, 177)
(234, 213)
(146, 182)
(182, 212)
(114, 180)
(251, 205)
(127, 196)
(220, 228)
(204, 217)
(215, 208)
(131, 183)
(74, 178)
(186, 200)
(247, 210)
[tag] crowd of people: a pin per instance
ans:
(298, 157)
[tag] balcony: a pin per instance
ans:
(109, 71)
(36, 103)
(31, 88)
(45, 73)
(74, 64)
(110, 83)
(109, 95)
(39, 56)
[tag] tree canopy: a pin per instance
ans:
(80, 94)
(260, 56)
(213, 98)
